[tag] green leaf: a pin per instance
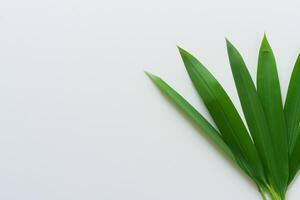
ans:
(268, 86)
(225, 116)
(292, 116)
(292, 105)
(256, 120)
(194, 115)
(295, 158)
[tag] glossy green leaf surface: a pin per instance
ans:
(256, 119)
(295, 158)
(292, 116)
(191, 112)
(267, 148)
(292, 104)
(268, 86)
(225, 116)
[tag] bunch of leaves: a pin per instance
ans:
(267, 147)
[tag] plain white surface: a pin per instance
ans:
(80, 120)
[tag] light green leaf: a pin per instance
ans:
(194, 115)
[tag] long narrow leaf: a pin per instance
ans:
(255, 117)
(268, 86)
(292, 105)
(292, 116)
(190, 111)
(295, 158)
(225, 116)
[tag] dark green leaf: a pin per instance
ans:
(225, 116)
(292, 105)
(268, 88)
(295, 157)
(292, 116)
(255, 118)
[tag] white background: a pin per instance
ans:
(80, 120)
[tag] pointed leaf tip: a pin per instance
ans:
(265, 45)
(151, 76)
(229, 45)
(182, 51)
(265, 35)
(265, 39)
(148, 73)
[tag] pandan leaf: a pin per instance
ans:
(292, 105)
(270, 153)
(225, 116)
(268, 86)
(295, 158)
(256, 119)
(191, 112)
(292, 115)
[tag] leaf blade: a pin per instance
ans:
(268, 86)
(225, 116)
(292, 105)
(255, 116)
(188, 109)
(292, 115)
(294, 158)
